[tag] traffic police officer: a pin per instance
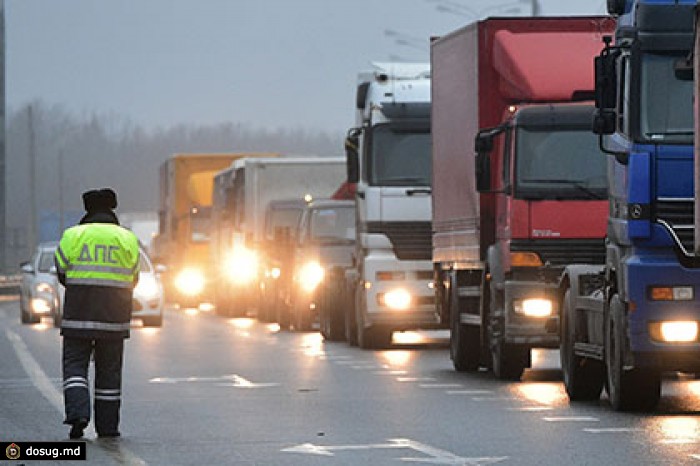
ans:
(98, 263)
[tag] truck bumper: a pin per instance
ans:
(539, 332)
(384, 276)
(644, 312)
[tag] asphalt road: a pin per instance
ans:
(208, 390)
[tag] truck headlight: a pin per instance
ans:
(398, 298)
(533, 307)
(241, 266)
(190, 282)
(674, 331)
(311, 275)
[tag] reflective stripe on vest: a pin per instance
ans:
(92, 325)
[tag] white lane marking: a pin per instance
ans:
(434, 455)
(52, 394)
(440, 385)
(229, 380)
(531, 408)
(492, 398)
(34, 371)
(390, 372)
(469, 392)
(415, 379)
(571, 419)
(611, 430)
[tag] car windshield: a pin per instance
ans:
(666, 102)
(280, 219)
(559, 164)
(400, 157)
(46, 260)
(335, 224)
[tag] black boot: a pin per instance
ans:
(78, 427)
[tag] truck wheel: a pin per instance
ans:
(331, 315)
(283, 317)
(349, 315)
(465, 340)
(583, 377)
(628, 389)
(509, 361)
(302, 318)
(375, 337)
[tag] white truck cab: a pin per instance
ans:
(389, 159)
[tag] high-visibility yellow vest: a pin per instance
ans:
(101, 254)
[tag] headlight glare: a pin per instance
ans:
(147, 287)
(396, 299)
(241, 266)
(533, 307)
(311, 275)
(190, 282)
(40, 306)
(674, 331)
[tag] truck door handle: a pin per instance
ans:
(411, 192)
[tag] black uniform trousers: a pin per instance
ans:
(108, 355)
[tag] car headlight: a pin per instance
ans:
(311, 275)
(398, 298)
(241, 266)
(147, 287)
(534, 307)
(190, 282)
(41, 306)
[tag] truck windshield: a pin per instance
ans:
(666, 103)
(283, 219)
(399, 157)
(332, 225)
(200, 224)
(564, 164)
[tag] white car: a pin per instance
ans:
(148, 295)
(40, 293)
(148, 302)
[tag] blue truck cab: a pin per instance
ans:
(638, 316)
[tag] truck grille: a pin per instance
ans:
(679, 214)
(410, 240)
(561, 252)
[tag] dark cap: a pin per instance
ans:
(99, 199)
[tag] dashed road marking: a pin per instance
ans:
(612, 430)
(440, 385)
(571, 419)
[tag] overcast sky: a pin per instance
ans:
(270, 63)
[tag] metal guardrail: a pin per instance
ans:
(9, 284)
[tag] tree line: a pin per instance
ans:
(53, 155)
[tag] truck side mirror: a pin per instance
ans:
(483, 145)
(683, 69)
(352, 159)
(604, 119)
(483, 171)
